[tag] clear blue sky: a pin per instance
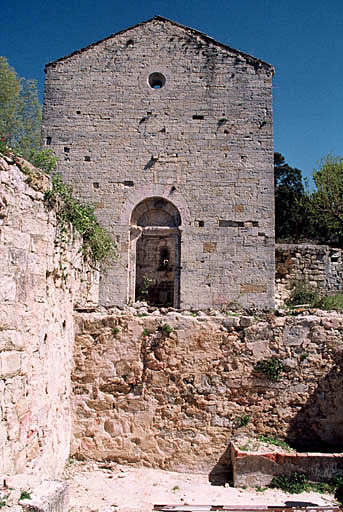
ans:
(303, 39)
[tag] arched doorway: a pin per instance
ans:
(154, 271)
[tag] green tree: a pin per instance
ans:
(304, 216)
(326, 201)
(20, 111)
(20, 127)
(289, 192)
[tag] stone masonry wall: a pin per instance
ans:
(39, 283)
(203, 142)
(320, 266)
(175, 399)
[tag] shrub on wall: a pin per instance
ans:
(98, 246)
(303, 294)
(271, 368)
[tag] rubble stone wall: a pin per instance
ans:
(320, 266)
(173, 397)
(39, 283)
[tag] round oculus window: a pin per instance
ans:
(156, 80)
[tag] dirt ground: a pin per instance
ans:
(99, 487)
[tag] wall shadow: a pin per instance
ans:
(222, 472)
(318, 426)
(300, 504)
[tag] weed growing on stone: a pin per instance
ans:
(44, 160)
(271, 368)
(274, 441)
(97, 246)
(175, 488)
(141, 315)
(304, 356)
(338, 481)
(260, 489)
(243, 420)
(339, 489)
(25, 495)
(3, 500)
(3, 149)
(115, 331)
(296, 483)
(145, 332)
(302, 293)
(333, 302)
(245, 447)
(143, 293)
(166, 329)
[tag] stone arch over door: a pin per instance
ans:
(154, 259)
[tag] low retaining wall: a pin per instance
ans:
(320, 266)
(175, 399)
(252, 468)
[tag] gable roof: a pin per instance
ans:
(249, 58)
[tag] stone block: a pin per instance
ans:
(231, 321)
(295, 335)
(253, 288)
(11, 339)
(210, 247)
(259, 349)
(10, 363)
(246, 321)
(8, 289)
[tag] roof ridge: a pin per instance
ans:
(252, 60)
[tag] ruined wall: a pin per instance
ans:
(175, 400)
(202, 141)
(39, 282)
(320, 266)
(255, 463)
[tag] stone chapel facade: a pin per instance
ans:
(168, 133)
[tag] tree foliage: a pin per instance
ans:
(289, 191)
(327, 200)
(44, 159)
(20, 126)
(20, 111)
(309, 216)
